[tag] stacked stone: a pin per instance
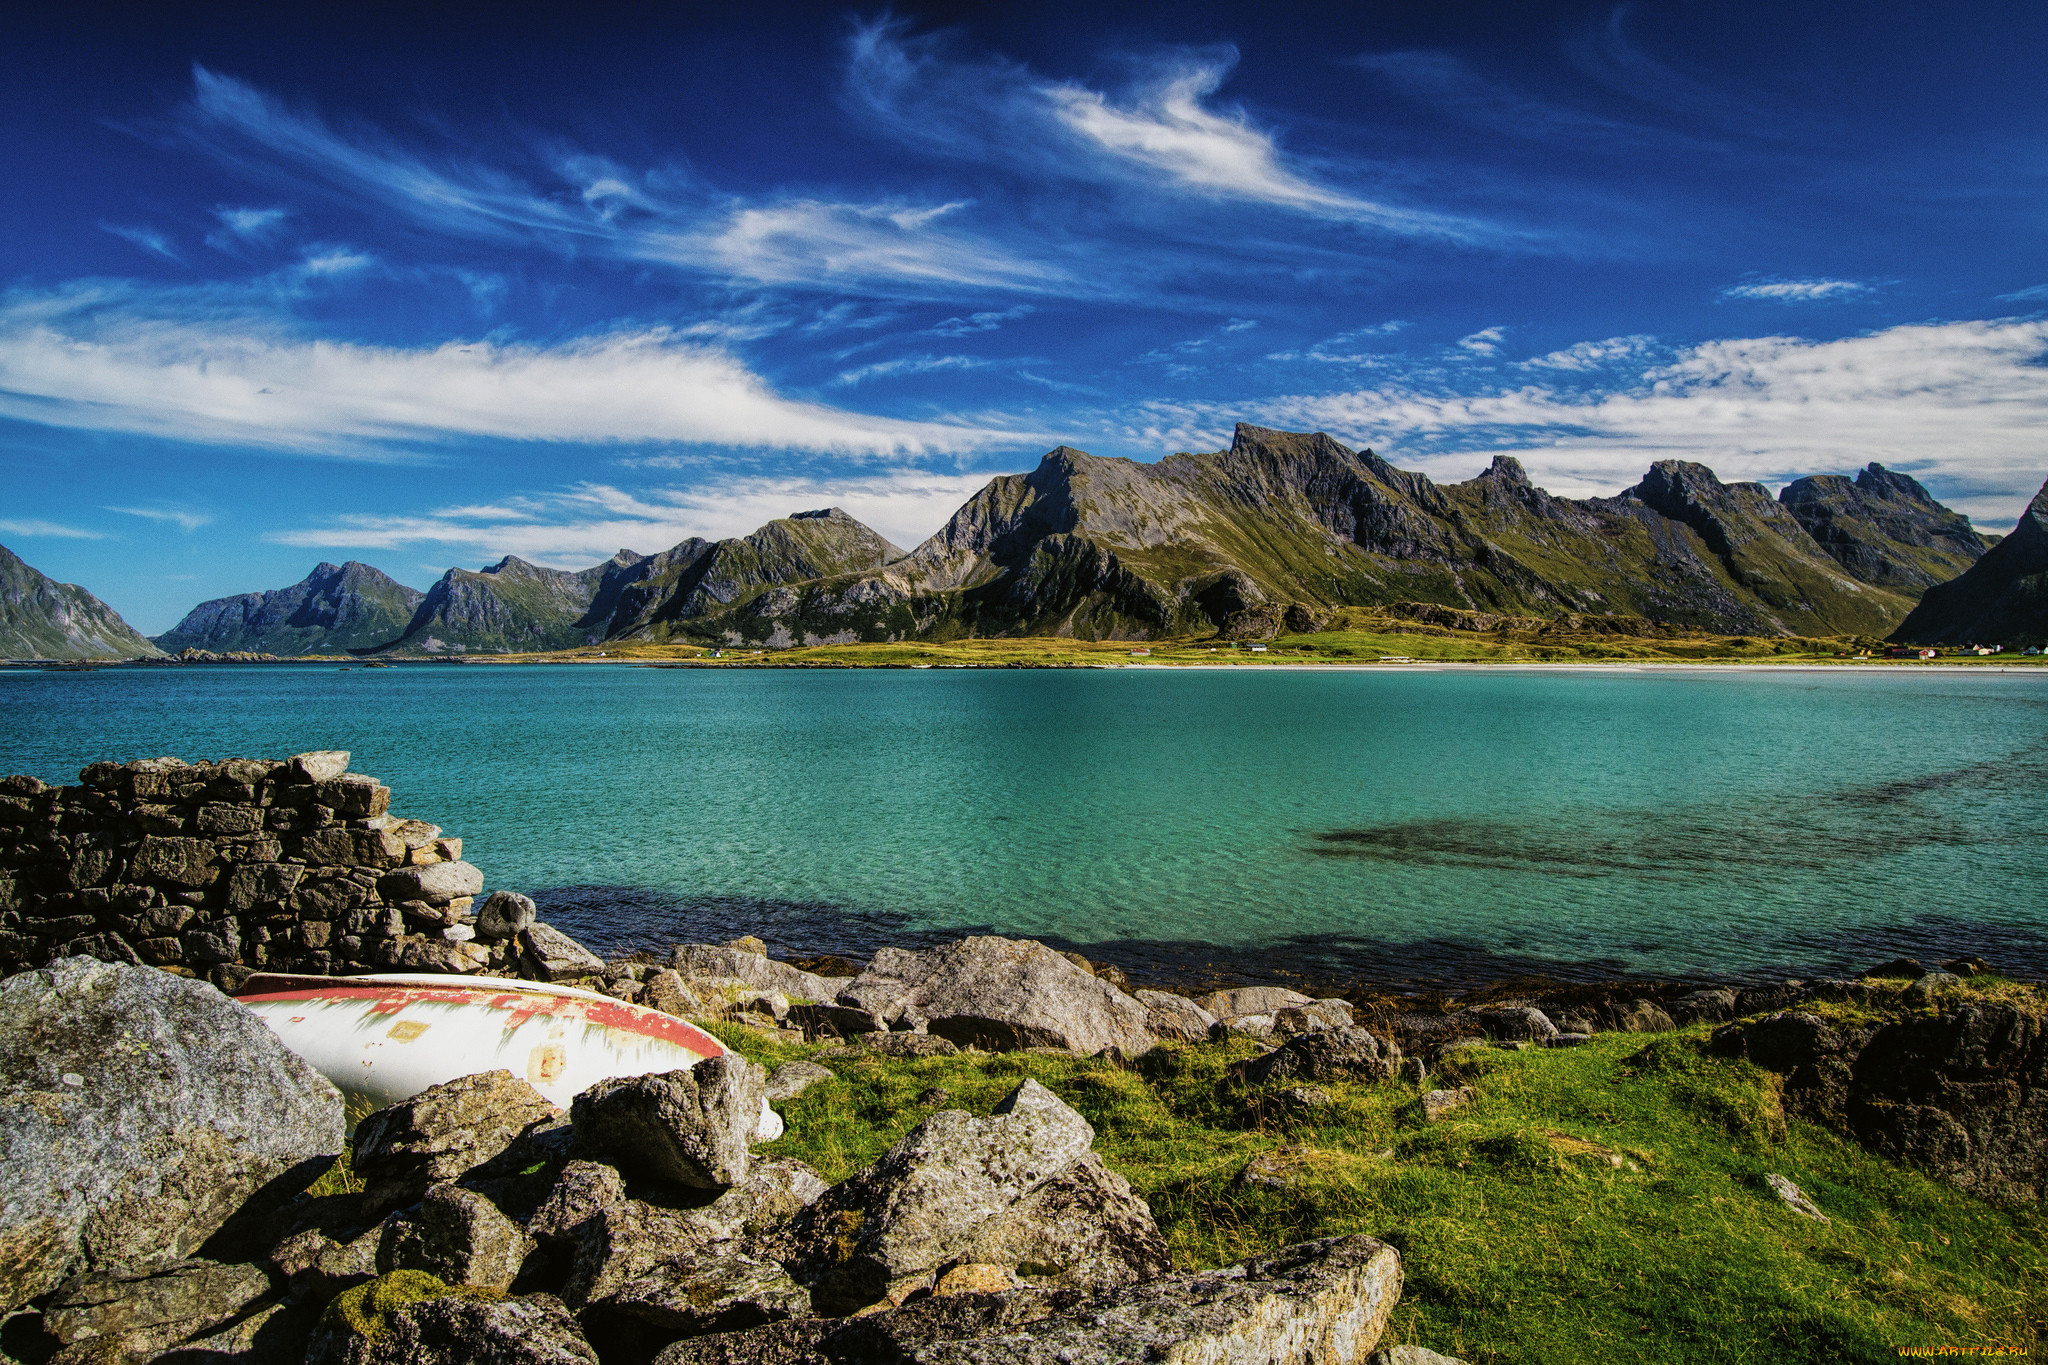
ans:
(225, 869)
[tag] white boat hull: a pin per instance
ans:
(382, 1039)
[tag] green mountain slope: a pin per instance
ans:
(332, 610)
(41, 618)
(1110, 548)
(2001, 599)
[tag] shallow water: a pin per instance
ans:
(1424, 825)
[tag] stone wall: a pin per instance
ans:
(220, 870)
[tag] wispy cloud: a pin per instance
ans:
(149, 239)
(586, 204)
(912, 364)
(978, 322)
(113, 358)
(2028, 295)
(185, 518)
(1797, 291)
(1165, 132)
(32, 528)
(250, 225)
(577, 526)
(1485, 342)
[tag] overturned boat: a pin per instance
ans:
(382, 1039)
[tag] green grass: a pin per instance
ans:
(1522, 1239)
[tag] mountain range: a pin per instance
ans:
(41, 618)
(1274, 532)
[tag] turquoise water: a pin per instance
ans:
(1401, 824)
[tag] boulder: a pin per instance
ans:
(436, 883)
(620, 1243)
(505, 915)
(141, 1111)
(1926, 988)
(1516, 1023)
(1175, 1017)
(1900, 968)
(1411, 1355)
(1711, 1005)
(716, 1288)
(1799, 1046)
(557, 957)
(1232, 1004)
(665, 991)
(916, 1207)
(459, 1237)
(169, 1305)
(791, 1079)
(460, 1330)
(776, 1190)
(1316, 1014)
(1001, 994)
(583, 1190)
(738, 959)
(1328, 1055)
(1437, 1103)
(1083, 1229)
(480, 1123)
(907, 1044)
(321, 765)
(688, 1127)
(1964, 1095)
(1764, 999)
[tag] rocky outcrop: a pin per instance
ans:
(999, 993)
(138, 1113)
(2002, 599)
(332, 610)
(224, 869)
(41, 618)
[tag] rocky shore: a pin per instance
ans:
(163, 1148)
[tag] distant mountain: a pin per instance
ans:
(1109, 548)
(514, 606)
(330, 611)
(2001, 599)
(41, 618)
(1884, 528)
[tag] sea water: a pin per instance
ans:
(1399, 824)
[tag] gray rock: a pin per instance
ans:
(1794, 1198)
(688, 1127)
(1260, 1026)
(1437, 1103)
(505, 914)
(1642, 1016)
(1175, 1016)
(1326, 1055)
(912, 1210)
(138, 1111)
(436, 883)
(1314, 1303)
(776, 1190)
(1314, 1016)
(907, 1044)
(1002, 994)
(791, 1079)
(1411, 1355)
(1924, 990)
(757, 969)
(1232, 1004)
(533, 1330)
(446, 1131)
(715, 1288)
(623, 1242)
(1083, 1229)
(583, 1190)
(556, 956)
(321, 765)
(1568, 1040)
(459, 1237)
(1305, 1098)
(1517, 1023)
(771, 1005)
(665, 991)
(171, 1304)
(1711, 1005)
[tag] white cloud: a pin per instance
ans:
(1485, 341)
(1796, 291)
(186, 519)
(1587, 356)
(336, 261)
(576, 527)
(592, 206)
(2027, 295)
(915, 364)
(978, 322)
(1961, 405)
(149, 239)
(108, 359)
(50, 529)
(251, 224)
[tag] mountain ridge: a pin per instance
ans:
(41, 618)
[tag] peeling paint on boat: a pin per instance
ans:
(382, 1039)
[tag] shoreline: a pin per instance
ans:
(1414, 666)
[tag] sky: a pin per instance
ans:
(428, 285)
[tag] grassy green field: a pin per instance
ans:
(1598, 1204)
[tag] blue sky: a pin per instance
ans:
(352, 282)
